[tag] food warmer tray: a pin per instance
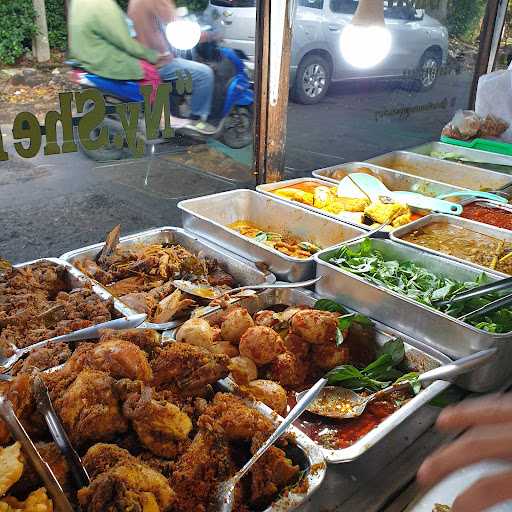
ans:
(209, 216)
(483, 229)
(268, 189)
(77, 279)
(394, 180)
(418, 355)
(243, 271)
(452, 173)
(447, 334)
(482, 159)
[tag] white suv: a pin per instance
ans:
(419, 48)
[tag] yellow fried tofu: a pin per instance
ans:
(381, 212)
(295, 195)
(346, 204)
(402, 220)
(11, 467)
(323, 197)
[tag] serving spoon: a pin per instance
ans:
(224, 495)
(340, 403)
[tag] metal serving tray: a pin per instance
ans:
(243, 271)
(447, 334)
(77, 279)
(269, 188)
(394, 180)
(481, 159)
(209, 216)
(418, 356)
(477, 227)
(490, 204)
(452, 173)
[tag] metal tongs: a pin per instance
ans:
(45, 407)
(479, 291)
(51, 483)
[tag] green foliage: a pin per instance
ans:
(17, 27)
(465, 17)
(193, 5)
(56, 19)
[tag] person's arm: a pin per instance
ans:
(489, 421)
(111, 25)
(164, 10)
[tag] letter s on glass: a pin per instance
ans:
(93, 117)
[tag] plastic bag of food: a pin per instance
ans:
(465, 125)
(494, 101)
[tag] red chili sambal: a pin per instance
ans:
(498, 217)
(337, 434)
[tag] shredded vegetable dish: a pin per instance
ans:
(287, 244)
(420, 284)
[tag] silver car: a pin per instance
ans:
(419, 48)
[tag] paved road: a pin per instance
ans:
(49, 205)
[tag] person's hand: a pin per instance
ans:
(489, 421)
(163, 59)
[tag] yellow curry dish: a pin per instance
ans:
(353, 209)
(285, 243)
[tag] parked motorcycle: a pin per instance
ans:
(232, 105)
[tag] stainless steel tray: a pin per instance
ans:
(77, 279)
(447, 334)
(243, 271)
(452, 173)
(481, 159)
(209, 216)
(491, 204)
(477, 227)
(418, 356)
(394, 180)
(268, 189)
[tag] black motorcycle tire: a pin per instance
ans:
(105, 154)
(238, 128)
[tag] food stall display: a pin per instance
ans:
(281, 342)
(462, 240)
(47, 298)
(321, 196)
(210, 218)
(445, 171)
(141, 269)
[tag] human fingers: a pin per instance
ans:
(485, 493)
(488, 442)
(490, 410)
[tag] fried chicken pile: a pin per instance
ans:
(272, 353)
(141, 276)
(37, 303)
(152, 432)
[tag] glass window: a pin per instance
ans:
(314, 4)
(344, 6)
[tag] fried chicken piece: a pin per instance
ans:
(11, 464)
(90, 410)
(314, 326)
(43, 358)
(288, 369)
(188, 368)
(101, 457)
(206, 462)
(161, 426)
(38, 501)
(92, 269)
(119, 358)
(30, 480)
(146, 339)
(272, 473)
(231, 418)
(127, 486)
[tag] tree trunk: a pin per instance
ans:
(41, 46)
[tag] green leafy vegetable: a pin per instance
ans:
(377, 375)
(420, 284)
(261, 237)
(412, 377)
(329, 305)
(339, 337)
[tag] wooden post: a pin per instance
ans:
(41, 46)
(272, 90)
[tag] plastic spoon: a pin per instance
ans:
(377, 191)
(475, 194)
